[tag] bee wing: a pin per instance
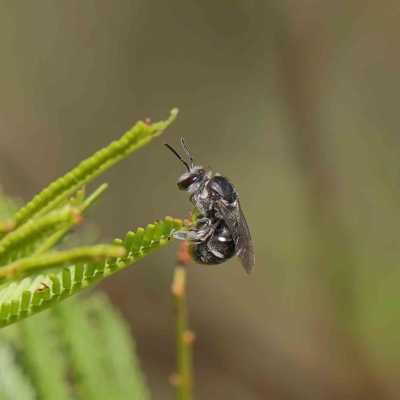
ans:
(240, 231)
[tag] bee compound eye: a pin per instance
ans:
(185, 183)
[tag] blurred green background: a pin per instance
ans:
(297, 103)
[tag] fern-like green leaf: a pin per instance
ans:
(80, 349)
(86, 171)
(27, 266)
(31, 295)
(24, 239)
(114, 335)
(100, 375)
(42, 357)
(14, 384)
(80, 203)
(8, 207)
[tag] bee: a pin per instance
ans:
(209, 242)
(221, 230)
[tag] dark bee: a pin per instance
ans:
(221, 230)
(209, 243)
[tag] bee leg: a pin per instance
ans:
(208, 235)
(198, 224)
(190, 236)
(188, 223)
(194, 225)
(202, 230)
(204, 223)
(206, 232)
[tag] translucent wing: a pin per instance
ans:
(237, 224)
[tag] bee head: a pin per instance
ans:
(191, 179)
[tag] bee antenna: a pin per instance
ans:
(177, 154)
(187, 151)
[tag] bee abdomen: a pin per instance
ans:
(219, 248)
(203, 255)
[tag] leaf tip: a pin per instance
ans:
(76, 215)
(174, 112)
(7, 226)
(121, 251)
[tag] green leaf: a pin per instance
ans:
(114, 334)
(82, 205)
(19, 300)
(14, 384)
(81, 349)
(43, 360)
(23, 239)
(99, 350)
(27, 266)
(59, 191)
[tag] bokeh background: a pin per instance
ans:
(297, 102)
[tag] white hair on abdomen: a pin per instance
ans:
(217, 253)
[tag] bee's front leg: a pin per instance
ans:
(200, 231)
(190, 236)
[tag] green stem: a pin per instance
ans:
(184, 338)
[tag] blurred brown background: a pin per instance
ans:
(297, 103)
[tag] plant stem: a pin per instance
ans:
(184, 338)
